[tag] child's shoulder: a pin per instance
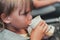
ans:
(8, 35)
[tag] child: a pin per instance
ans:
(15, 18)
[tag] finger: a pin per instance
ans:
(45, 28)
(41, 26)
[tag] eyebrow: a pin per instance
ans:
(27, 12)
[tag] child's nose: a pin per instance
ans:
(29, 16)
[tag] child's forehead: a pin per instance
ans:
(24, 10)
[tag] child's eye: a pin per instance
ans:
(24, 13)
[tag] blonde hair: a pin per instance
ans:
(7, 6)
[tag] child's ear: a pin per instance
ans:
(5, 19)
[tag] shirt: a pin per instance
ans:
(9, 35)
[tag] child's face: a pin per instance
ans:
(20, 20)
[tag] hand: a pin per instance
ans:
(39, 31)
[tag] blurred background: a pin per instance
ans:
(51, 14)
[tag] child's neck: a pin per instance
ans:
(20, 31)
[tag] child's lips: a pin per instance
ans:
(30, 22)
